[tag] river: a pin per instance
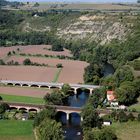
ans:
(72, 129)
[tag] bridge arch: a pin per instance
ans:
(61, 116)
(75, 118)
(33, 110)
(10, 84)
(54, 87)
(83, 91)
(17, 84)
(13, 108)
(34, 85)
(25, 85)
(24, 110)
(43, 86)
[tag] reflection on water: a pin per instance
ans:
(78, 100)
(72, 132)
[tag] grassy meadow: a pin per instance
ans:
(16, 130)
(128, 130)
(22, 99)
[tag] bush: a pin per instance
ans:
(9, 54)
(138, 117)
(27, 62)
(2, 62)
(131, 117)
(122, 117)
(3, 107)
(1, 98)
(59, 65)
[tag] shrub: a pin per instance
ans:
(1, 98)
(9, 54)
(27, 62)
(122, 117)
(2, 62)
(138, 117)
(59, 65)
(131, 117)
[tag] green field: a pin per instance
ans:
(21, 99)
(16, 130)
(127, 131)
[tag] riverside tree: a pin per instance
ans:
(91, 117)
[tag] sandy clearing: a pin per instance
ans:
(27, 73)
(20, 91)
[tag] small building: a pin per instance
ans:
(36, 15)
(114, 104)
(122, 107)
(107, 123)
(110, 96)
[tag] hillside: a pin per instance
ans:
(101, 28)
(95, 37)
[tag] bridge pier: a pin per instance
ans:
(67, 117)
(81, 119)
(75, 90)
(91, 91)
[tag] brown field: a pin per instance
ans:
(27, 73)
(72, 71)
(85, 6)
(105, 6)
(5, 50)
(22, 91)
(39, 49)
(33, 49)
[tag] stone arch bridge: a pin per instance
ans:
(65, 109)
(74, 87)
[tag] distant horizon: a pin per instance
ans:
(80, 1)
